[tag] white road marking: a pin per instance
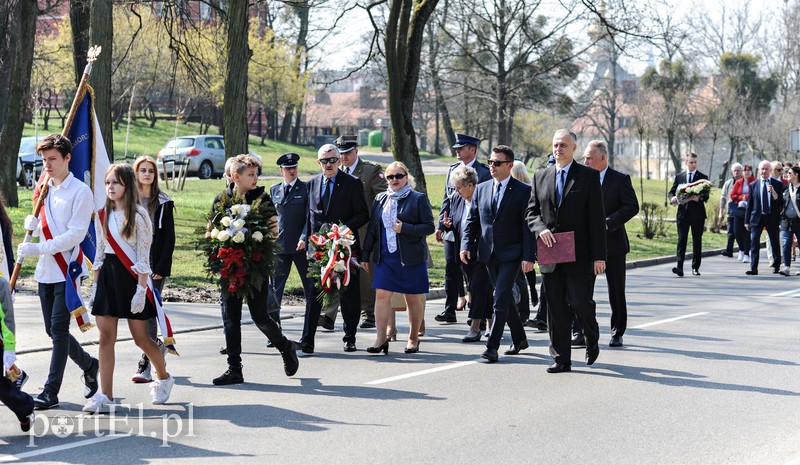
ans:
(668, 320)
(784, 294)
(50, 450)
(423, 372)
(471, 362)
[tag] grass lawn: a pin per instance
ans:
(197, 196)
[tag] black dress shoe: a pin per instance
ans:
(367, 324)
(305, 348)
(325, 322)
(776, 270)
(678, 271)
(223, 351)
(558, 368)
(578, 341)
(290, 361)
(592, 353)
(725, 253)
(446, 317)
(537, 323)
(616, 341)
(695, 272)
(476, 338)
(490, 355)
(751, 272)
(515, 348)
(350, 346)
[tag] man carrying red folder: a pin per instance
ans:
(568, 197)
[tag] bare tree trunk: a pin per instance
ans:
(101, 32)
(79, 15)
(19, 91)
(404, 32)
(235, 108)
(441, 104)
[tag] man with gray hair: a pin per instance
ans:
(726, 206)
(335, 197)
(621, 204)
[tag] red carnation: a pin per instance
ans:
(256, 256)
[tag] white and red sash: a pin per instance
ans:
(71, 267)
(127, 256)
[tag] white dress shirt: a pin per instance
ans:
(71, 204)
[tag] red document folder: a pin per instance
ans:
(563, 251)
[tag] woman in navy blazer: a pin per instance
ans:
(401, 220)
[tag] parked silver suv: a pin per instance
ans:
(205, 154)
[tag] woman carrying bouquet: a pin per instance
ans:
(124, 235)
(160, 208)
(244, 171)
(401, 220)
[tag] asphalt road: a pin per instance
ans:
(709, 375)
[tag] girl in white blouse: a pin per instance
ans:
(124, 236)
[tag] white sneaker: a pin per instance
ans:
(160, 389)
(786, 271)
(746, 259)
(741, 256)
(98, 403)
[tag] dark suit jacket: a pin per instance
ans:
(456, 204)
(292, 215)
(347, 205)
(753, 214)
(581, 211)
(504, 233)
(415, 213)
(620, 203)
(691, 211)
(483, 175)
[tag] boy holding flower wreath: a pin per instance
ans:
(239, 249)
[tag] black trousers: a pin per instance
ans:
(477, 276)
(502, 275)
(565, 293)
(282, 268)
(453, 277)
(773, 232)
(526, 283)
(615, 277)
(697, 241)
(731, 233)
(19, 402)
(232, 321)
(742, 235)
(350, 304)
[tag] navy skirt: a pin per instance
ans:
(391, 275)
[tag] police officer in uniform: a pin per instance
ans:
(466, 148)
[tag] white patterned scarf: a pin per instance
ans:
(389, 214)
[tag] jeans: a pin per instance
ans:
(56, 324)
(786, 241)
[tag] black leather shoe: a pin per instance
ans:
(45, 401)
(725, 253)
(325, 322)
(578, 341)
(231, 376)
(367, 324)
(592, 353)
(350, 346)
(446, 317)
(695, 272)
(751, 272)
(616, 341)
(476, 338)
(515, 348)
(290, 361)
(678, 271)
(776, 270)
(558, 368)
(223, 351)
(90, 379)
(305, 348)
(378, 349)
(537, 323)
(490, 355)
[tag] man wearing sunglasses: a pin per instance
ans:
(466, 148)
(335, 197)
(496, 231)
